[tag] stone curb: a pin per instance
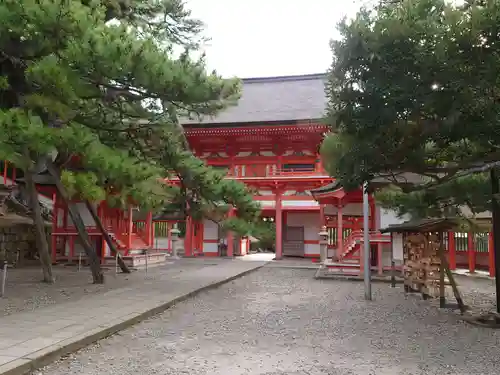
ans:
(356, 278)
(49, 354)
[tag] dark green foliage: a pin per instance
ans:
(263, 231)
(99, 79)
(414, 88)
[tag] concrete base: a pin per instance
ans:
(139, 260)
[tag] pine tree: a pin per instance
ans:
(413, 89)
(99, 79)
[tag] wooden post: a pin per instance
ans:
(452, 250)
(322, 220)
(71, 248)
(495, 211)
(471, 252)
(230, 238)
(491, 255)
(53, 242)
(5, 166)
(340, 231)
(149, 229)
(373, 217)
(442, 296)
(279, 227)
(94, 262)
(169, 236)
(106, 237)
(188, 237)
(458, 297)
(130, 229)
(379, 259)
(4, 279)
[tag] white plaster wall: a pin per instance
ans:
(266, 204)
(160, 243)
(210, 230)
(311, 249)
(386, 255)
(79, 248)
(265, 192)
(210, 248)
(310, 221)
(389, 217)
(60, 218)
(354, 209)
(397, 247)
(301, 203)
(84, 213)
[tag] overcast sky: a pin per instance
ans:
(259, 38)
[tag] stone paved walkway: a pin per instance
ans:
(29, 339)
(281, 321)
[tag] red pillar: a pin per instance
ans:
(199, 237)
(53, 242)
(491, 255)
(169, 236)
(130, 224)
(340, 230)
(372, 223)
(230, 238)
(279, 227)
(452, 251)
(71, 248)
(103, 243)
(471, 253)
(188, 238)
(5, 166)
(379, 259)
(322, 218)
(149, 228)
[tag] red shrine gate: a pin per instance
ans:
(279, 161)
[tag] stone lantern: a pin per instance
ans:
(323, 244)
(174, 233)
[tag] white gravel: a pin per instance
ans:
(282, 321)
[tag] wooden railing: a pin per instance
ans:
(7, 172)
(139, 227)
(271, 171)
(357, 235)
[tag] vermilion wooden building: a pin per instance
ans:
(269, 141)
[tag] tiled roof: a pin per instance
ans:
(326, 188)
(272, 99)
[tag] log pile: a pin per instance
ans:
(422, 263)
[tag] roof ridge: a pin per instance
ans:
(299, 77)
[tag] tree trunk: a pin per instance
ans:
(106, 236)
(95, 266)
(40, 232)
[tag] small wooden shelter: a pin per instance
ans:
(424, 262)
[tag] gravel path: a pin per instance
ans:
(282, 321)
(25, 292)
